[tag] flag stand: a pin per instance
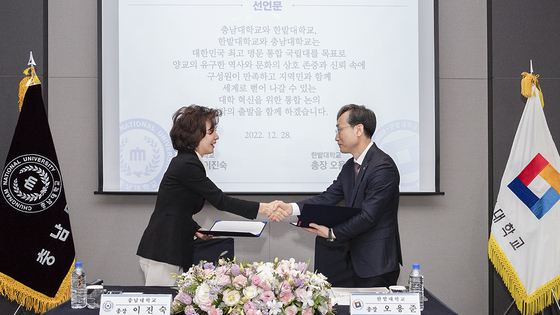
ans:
(507, 311)
(20, 305)
(555, 299)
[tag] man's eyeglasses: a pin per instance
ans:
(337, 130)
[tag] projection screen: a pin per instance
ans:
(279, 71)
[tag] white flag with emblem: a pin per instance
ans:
(524, 244)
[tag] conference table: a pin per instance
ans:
(433, 306)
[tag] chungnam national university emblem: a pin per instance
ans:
(31, 183)
(145, 152)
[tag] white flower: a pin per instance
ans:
(266, 267)
(267, 276)
(274, 307)
(317, 279)
(202, 293)
(308, 300)
(250, 292)
(231, 297)
(293, 263)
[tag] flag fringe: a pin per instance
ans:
(30, 79)
(31, 299)
(527, 305)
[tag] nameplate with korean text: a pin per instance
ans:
(139, 304)
(387, 304)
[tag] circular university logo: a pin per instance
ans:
(108, 306)
(145, 153)
(400, 139)
(31, 183)
(357, 304)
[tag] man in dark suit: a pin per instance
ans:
(371, 238)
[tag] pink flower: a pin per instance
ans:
(267, 296)
(286, 297)
(239, 281)
(255, 280)
(205, 305)
(214, 311)
(265, 285)
(249, 306)
(307, 311)
(221, 270)
(253, 312)
(301, 294)
(248, 272)
(223, 280)
(291, 310)
(294, 273)
(283, 269)
(285, 287)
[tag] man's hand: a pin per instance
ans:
(319, 230)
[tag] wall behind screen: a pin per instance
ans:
(21, 30)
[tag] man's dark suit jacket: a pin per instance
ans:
(373, 234)
(184, 188)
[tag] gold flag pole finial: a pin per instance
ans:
(29, 79)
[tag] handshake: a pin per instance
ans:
(276, 210)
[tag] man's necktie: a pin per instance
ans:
(356, 170)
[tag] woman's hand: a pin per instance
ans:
(204, 237)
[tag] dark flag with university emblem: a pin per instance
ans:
(37, 249)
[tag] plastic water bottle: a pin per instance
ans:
(416, 283)
(78, 292)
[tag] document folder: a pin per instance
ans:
(328, 216)
(236, 228)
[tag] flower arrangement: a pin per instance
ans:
(282, 287)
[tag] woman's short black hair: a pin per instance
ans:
(189, 126)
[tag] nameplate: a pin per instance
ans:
(139, 304)
(387, 304)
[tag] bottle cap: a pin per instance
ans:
(415, 266)
(77, 264)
